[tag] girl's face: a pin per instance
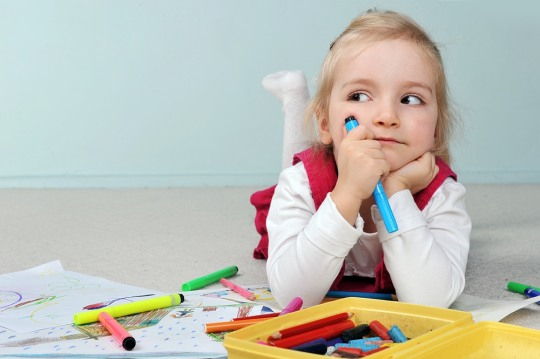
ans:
(389, 87)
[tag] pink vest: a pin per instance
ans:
(322, 175)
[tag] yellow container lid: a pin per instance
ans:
(491, 340)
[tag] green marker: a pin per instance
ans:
(209, 279)
(520, 288)
(120, 310)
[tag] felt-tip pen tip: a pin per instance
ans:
(129, 343)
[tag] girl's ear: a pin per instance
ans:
(324, 131)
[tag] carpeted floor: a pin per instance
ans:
(160, 238)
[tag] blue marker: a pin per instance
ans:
(531, 293)
(380, 196)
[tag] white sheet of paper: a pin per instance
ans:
(489, 309)
(48, 296)
(37, 307)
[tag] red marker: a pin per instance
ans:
(117, 331)
(379, 330)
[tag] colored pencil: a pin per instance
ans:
(231, 325)
(326, 332)
(267, 315)
(297, 329)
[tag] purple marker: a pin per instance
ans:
(380, 196)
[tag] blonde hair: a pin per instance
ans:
(371, 27)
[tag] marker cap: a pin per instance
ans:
(129, 343)
(211, 278)
(517, 287)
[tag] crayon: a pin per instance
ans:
(208, 279)
(120, 310)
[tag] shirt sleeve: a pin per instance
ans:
(427, 256)
(306, 247)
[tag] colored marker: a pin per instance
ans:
(294, 305)
(380, 196)
(326, 332)
(236, 288)
(211, 278)
(231, 325)
(520, 288)
(345, 352)
(357, 332)
(317, 346)
(379, 330)
(531, 293)
(526, 289)
(91, 316)
(368, 295)
(315, 324)
(117, 331)
(397, 335)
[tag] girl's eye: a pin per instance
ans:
(411, 100)
(359, 96)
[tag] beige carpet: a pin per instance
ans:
(160, 238)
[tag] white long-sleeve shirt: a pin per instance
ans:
(426, 257)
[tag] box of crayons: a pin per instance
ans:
(282, 336)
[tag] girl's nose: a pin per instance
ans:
(387, 117)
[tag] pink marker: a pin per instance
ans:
(117, 331)
(294, 305)
(243, 292)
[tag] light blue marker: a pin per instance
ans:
(380, 196)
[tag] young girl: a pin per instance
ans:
(324, 230)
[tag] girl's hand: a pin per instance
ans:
(414, 176)
(361, 163)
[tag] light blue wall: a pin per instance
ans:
(123, 93)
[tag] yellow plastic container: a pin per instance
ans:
(482, 340)
(420, 323)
